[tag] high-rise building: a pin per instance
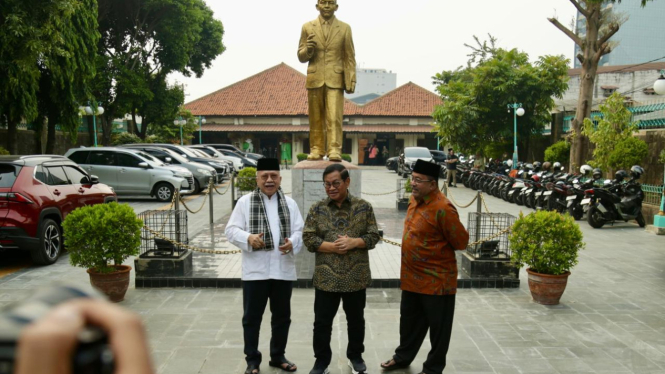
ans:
(640, 39)
(373, 81)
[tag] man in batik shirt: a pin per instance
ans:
(432, 233)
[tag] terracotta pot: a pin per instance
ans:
(114, 285)
(547, 289)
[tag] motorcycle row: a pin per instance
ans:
(547, 186)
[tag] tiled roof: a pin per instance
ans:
(346, 128)
(409, 100)
(622, 69)
(280, 91)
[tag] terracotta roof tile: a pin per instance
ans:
(346, 128)
(280, 91)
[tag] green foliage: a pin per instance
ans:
(301, 156)
(628, 152)
(546, 242)
(612, 129)
(166, 131)
(4, 152)
(558, 152)
(101, 235)
(246, 180)
(662, 156)
(407, 186)
(346, 157)
(125, 138)
(474, 113)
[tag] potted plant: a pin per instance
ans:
(100, 238)
(548, 244)
(404, 196)
(245, 183)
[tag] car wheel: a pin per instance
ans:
(164, 192)
(50, 243)
(197, 187)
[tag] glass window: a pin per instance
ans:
(41, 174)
(80, 157)
(128, 161)
(102, 158)
(57, 176)
(158, 155)
(76, 176)
(8, 175)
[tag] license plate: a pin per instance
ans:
(585, 201)
(528, 191)
(547, 193)
(511, 192)
(571, 198)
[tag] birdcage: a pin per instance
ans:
(163, 234)
(487, 226)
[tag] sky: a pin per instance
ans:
(414, 39)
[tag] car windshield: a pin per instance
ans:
(176, 156)
(417, 153)
(200, 153)
(149, 158)
(186, 151)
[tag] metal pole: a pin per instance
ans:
(94, 126)
(200, 129)
(515, 143)
(233, 191)
(210, 192)
(479, 211)
(176, 208)
(181, 135)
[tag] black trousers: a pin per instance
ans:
(419, 313)
(255, 296)
(326, 305)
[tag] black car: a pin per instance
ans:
(391, 163)
(439, 156)
(229, 147)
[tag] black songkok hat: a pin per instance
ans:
(427, 168)
(267, 164)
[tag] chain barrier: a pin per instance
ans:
(228, 187)
(161, 229)
(193, 248)
(482, 198)
(382, 194)
(450, 196)
(205, 198)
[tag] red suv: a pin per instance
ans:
(36, 194)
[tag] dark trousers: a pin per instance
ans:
(419, 313)
(326, 305)
(255, 296)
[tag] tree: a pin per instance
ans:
(143, 41)
(628, 152)
(558, 152)
(613, 128)
(474, 115)
(601, 25)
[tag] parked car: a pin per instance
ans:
(232, 148)
(201, 172)
(235, 162)
(129, 172)
(391, 163)
(36, 194)
(409, 157)
(246, 162)
(439, 157)
(185, 152)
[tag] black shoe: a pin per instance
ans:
(357, 366)
(319, 370)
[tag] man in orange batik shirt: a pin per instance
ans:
(432, 233)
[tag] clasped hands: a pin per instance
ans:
(343, 244)
(256, 241)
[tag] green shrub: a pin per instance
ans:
(662, 157)
(301, 156)
(407, 186)
(346, 157)
(4, 151)
(125, 138)
(558, 152)
(628, 152)
(246, 180)
(101, 235)
(546, 242)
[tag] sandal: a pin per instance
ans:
(252, 369)
(393, 365)
(290, 366)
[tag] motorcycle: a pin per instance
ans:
(618, 202)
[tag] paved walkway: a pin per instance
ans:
(611, 318)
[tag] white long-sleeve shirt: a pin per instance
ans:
(261, 264)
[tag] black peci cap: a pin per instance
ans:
(427, 168)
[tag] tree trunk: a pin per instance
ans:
(91, 131)
(50, 137)
(134, 126)
(107, 129)
(39, 132)
(12, 136)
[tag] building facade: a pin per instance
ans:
(271, 109)
(373, 81)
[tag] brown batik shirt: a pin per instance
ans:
(334, 272)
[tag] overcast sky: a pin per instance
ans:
(414, 39)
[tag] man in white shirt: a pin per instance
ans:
(267, 226)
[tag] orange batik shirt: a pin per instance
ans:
(432, 233)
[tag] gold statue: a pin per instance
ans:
(326, 43)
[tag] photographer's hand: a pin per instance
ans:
(47, 346)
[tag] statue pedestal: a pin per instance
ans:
(307, 182)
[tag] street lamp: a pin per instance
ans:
(202, 121)
(659, 219)
(89, 110)
(180, 122)
(517, 111)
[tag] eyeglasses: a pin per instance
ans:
(265, 177)
(335, 184)
(419, 181)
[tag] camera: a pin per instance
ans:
(93, 354)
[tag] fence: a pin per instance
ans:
(652, 194)
(486, 225)
(170, 224)
(402, 194)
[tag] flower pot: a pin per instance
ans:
(547, 289)
(114, 285)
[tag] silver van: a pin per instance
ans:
(130, 173)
